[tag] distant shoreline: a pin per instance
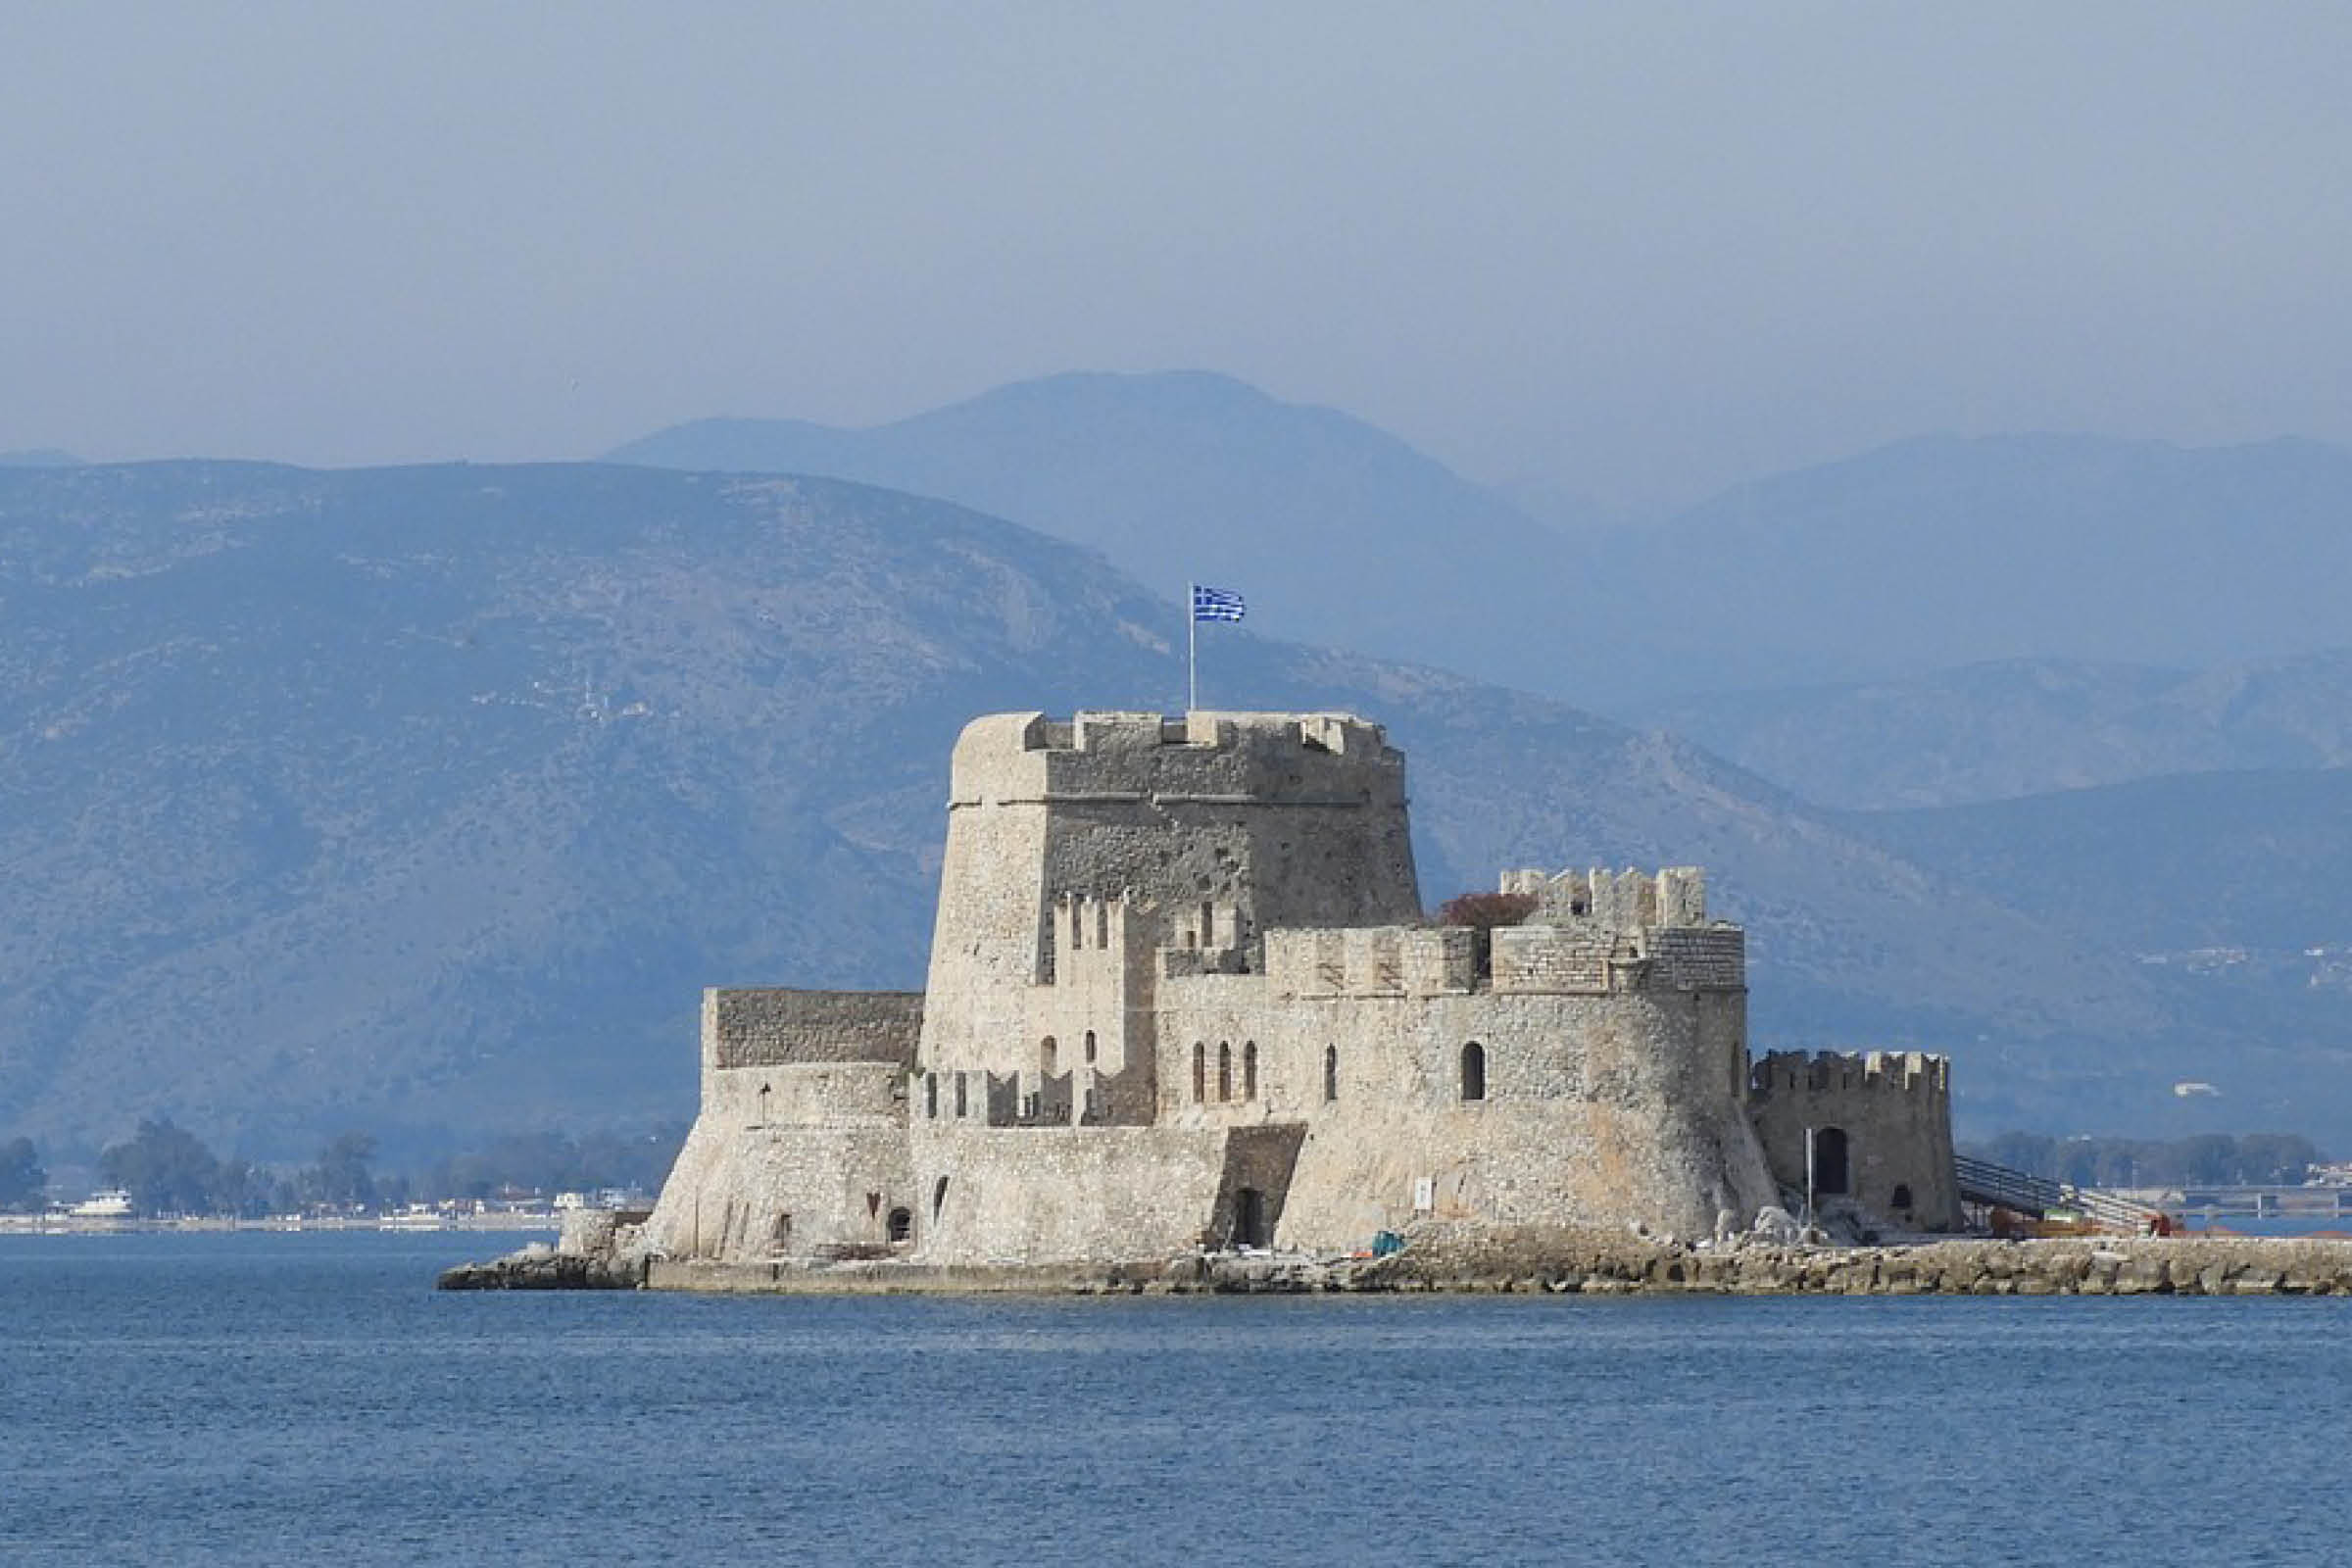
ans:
(69, 1225)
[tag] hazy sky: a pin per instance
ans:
(1637, 249)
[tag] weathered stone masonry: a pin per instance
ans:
(1181, 995)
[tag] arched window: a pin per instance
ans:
(1474, 1071)
(931, 1095)
(1049, 1056)
(939, 1197)
(901, 1225)
(1902, 1196)
(1090, 1047)
(1331, 1073)
(1224, 1070)
(1829, 1161)
(1200, 1072)
(1249, 1069)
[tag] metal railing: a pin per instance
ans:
(1983, 1182)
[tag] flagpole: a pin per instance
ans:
(1192, 651)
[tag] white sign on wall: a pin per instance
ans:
(1425, 1193)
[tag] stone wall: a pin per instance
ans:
(799, 1145)
(1892, 1111)
(1213, 829)
(1050, 1195)
(745, 1193)
(1600, 1110)
(772, 1025)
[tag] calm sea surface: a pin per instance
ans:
(309, 1399)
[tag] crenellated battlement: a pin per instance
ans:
(1581, 958)
(1372, 961)
(1872, 1128)
(1835, 1071)
(1212, 760)
(1104, 730)
(1623, 901)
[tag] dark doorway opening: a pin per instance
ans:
(901, 1225)
(1829, 1161)
(1248, 1217)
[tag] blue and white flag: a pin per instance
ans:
(1215, 603)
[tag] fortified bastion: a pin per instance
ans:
(1182, 994)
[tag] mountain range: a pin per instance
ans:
(426, 799)
(1995, 731)
(1915, 558)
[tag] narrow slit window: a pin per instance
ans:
(1474, 1071)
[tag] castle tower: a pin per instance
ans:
(1206, 830)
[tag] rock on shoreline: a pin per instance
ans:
(1554, 1261)
(543, 1268)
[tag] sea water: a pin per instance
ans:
(266, 1399)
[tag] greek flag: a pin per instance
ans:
(1215, 603)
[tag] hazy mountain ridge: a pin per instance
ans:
(2027, 727)
(431, 796)
(1942, 551)
(2256, 860)
(1336, 531)
(1922, 556)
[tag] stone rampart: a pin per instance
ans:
(771, 1026)
(745, 1193)
(1881, 1125)
(1056, 1194)
(1619, 900)
(1514, 1108)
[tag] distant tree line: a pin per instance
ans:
(169, 1170)
(557, 1163)
(24, 1184)
(2206, 1159)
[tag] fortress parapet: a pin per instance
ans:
(1371, 962)
(1621, 899)
(1835, 1071)
(1202, 757)
(773, 1027)
(1880, 1124)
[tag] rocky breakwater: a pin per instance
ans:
(1565, 1261)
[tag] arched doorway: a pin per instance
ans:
(1830, 1175)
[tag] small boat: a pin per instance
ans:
(111, 1204)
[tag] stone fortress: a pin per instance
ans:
(1183, 995)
